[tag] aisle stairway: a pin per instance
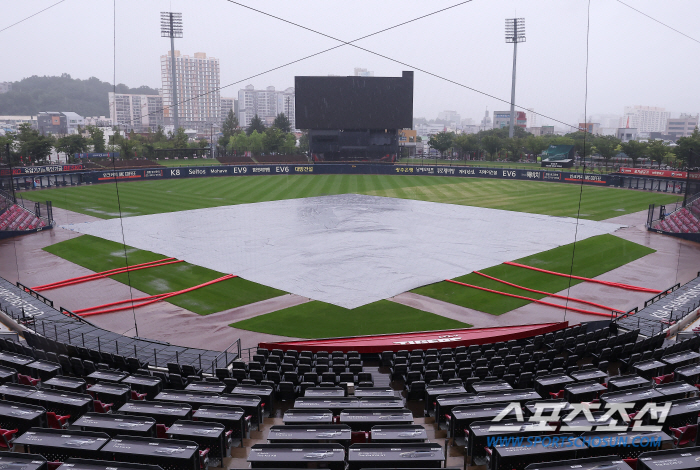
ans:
(455, 454)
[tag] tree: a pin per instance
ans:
(97, 139)
(687, 149)
(466, 143)
(514, 147)
(180, 139)
(441, 141)
(606, 146)
(581, 139)
(255, 142)
(535, 145)
(492, 144)
(5, 140)
(289, 147)
(657, 150)
(238, 143)
(86, 97)
(32, 145)
(256, 124)
(304, 143)
(634, 150)
(72, 144)
(228, 128)
(282, 123)
(159, 136)
(273, 139)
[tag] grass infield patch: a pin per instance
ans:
(594, 256)
(99, 255)
(321, 320)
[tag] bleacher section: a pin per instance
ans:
(16, 219)
(684, 220)
(61, 331)
(340, 411)
(236, 160)
(282, 159)
(668, 310)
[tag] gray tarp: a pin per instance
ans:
(347, 250)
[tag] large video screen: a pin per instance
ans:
(354, 102)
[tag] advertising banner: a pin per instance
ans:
(327, 169)
(97, 155)
(33, 170)
(659, 173)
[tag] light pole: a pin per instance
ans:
(171, 27)
(515, 33)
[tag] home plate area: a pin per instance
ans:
(348, 250)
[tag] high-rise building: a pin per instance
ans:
(197, 84)
(645, 119)
(136, 112)
(450, 117)
(267, 104)
(682, 126)
(228, 104)
(363, 72)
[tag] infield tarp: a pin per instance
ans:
(347, 250)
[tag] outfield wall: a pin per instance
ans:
(39, 181)
(91, 177)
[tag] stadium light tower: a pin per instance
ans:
(515, 33)
(171, 27)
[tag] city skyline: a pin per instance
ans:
(619, 72)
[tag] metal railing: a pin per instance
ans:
(35, 294)
(661, 295)
(225, 355)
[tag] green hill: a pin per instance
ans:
(85, 97)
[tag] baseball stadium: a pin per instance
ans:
(345, 308)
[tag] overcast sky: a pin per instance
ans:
(633, 60)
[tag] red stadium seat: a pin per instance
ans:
(57, 421)
(684, 435)
(102, 407)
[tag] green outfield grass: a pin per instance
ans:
(152, 197)
(321, 320)
(594, 256)
(99, 255)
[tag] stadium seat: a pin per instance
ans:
(7, 438)
(137, 396)
(102, 407)
(55, 421)
(286, 391)
(664, 379)
(161, 431)
(684, 435)
(27, 380)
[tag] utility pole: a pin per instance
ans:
(171, 27)
(515, 33)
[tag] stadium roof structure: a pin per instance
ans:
(558, 152)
